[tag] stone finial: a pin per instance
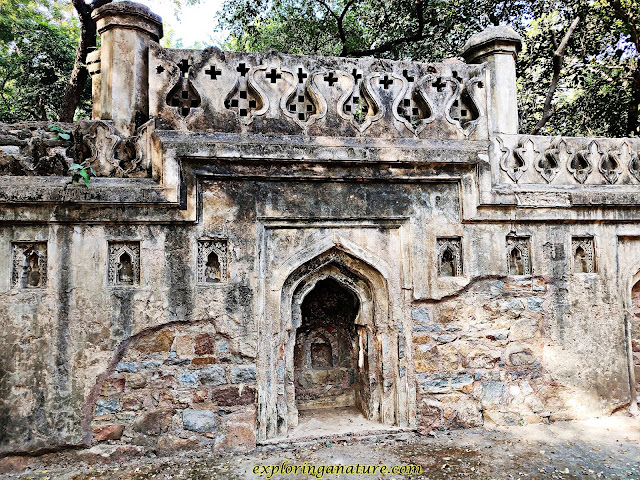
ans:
(126, 30)
(128, 15)
(495, 39)
(498, 47)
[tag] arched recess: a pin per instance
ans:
(379, 338)
(632, 328)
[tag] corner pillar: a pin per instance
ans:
(498, 47)
(126, 29)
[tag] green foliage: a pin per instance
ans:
(82, 171)
(37, 52)
(62, 133)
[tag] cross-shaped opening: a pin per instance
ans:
(242, 69)
(439, 84)
(274, 76)
(331, 79)
(356, 74)
(184, 68)
(386, 82)
(301, 75)
(213, 72)
(457, 77)
(159, 69)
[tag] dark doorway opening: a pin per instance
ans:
(327, 370)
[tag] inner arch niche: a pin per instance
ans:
(326, 369)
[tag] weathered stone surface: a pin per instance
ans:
(212, 376)
(156, 342)
(154, 422)
(239, 437)
(230, 396)
(243, 374)
(484, 274)
(202, 421)
(205, 344)
(108, 432)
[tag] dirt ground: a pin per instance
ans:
(601, 448)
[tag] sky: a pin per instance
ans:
(193, 24)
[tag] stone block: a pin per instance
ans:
(113, 385)
(535, 304)
(204, 344)
(497, 417)
(199, 361)
(481, 357)
(201, 421)
(231, 396)
(107, 407)
(131, 402)
(519, 355)
(463, 383)
(445, 338)
(168, 445)
(183, 346)
(158, 342)
(523, 329)
(150, 365)
(420, 315)
(129, 367)
(238, 438)
(188, 379)
(200, 396)
(136, 380)
(212, 376)
(243, 374)
(14, 464)
(154, 422)
(433, 385)
(108, 432)
(493, 393)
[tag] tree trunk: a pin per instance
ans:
(80, 74)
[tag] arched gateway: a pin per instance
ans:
(336, 345)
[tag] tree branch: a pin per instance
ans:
(340, 22)
(385, 47)
(558, 56)
(79, 74)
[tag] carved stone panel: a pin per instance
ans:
(124, 264)
(449, 257)
(583, 255)
(212, 261)
(518, 255)
(29, 265)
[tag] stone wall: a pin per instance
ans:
(159, 308)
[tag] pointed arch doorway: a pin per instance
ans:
(337, 342)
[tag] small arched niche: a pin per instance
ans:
(125, 273)
(326, 350)
(516, 265)
(580, 261)
(212, 271)
(31, 270)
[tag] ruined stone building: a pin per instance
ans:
(271, 235)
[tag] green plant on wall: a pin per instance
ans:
(82, 171)
(359, 114)
(61, 133)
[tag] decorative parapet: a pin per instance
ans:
(211, 90)
(527, 159)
